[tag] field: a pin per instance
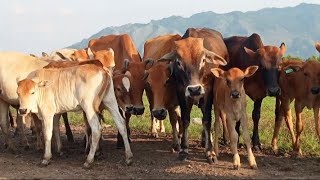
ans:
(153, 158)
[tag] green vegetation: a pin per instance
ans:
(309, 141)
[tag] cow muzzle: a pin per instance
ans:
(23, 111)
(160, 114)
(274, 91)
(138, 110)
(194, 90)
(315, 90)
(235, 94)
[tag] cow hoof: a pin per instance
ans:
(203, 144)
(183, 156)
(236, 166)
(155, 135)
(176, 148)
(26, 147)
(44, 163)
(254, 166)
(120, 145)
(257, 148)
(212, 160)
(87, 165)
(240, 145)
(129, 161)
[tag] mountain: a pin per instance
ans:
(297, 26)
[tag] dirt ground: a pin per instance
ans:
(153, 159)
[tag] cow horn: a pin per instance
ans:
(61, 55)
(44, 54)
(170, 67)
(283, 48)
(33, 55)
(318, 46)
(168, 57)
(90, 53)
(146, 74)
(126, 64)
(148, 61)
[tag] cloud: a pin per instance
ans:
(65, 11)
(19, 10)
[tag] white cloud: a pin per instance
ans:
(18, 10)
(65, 11)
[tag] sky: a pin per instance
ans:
(33, 26)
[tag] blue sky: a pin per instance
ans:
(33, 26)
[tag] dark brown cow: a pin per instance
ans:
(299, 81)
(154, 49)
(248, 51)
(195, 54)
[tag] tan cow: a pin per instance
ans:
(299, 81)
(154, 49)
(47, 92)
(230, 100)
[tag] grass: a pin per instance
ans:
(309, 141)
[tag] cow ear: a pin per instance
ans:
(90, 53)
(251, 53)
(146, 74)
(168, 57)
(283, 48)
(44, 83)
(318, 46)
(148, 63)
(214, 58)
(44, 54)
(33, 55)
(217, 72)
(250, 71)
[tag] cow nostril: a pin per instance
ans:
(22, 111)
(129, 108)
(315, 90)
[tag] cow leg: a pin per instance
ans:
(247, 141)
(226, 137)
(120, 143)
(256, 118)
(154, 125)
(68, 129)
(317, 121)
(20, 130)
(11, 119)
(111, 103)
(233, 143)
(47, 125)
(93, 121)
(299, 128)
(173, 116)
(185, 116)
(37, 129)
(4, 123)
(162, 127)
(217, 130)
(56, 131)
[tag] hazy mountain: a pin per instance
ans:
(298, 27)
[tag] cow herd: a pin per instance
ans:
(176, 72)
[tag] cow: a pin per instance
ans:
(246, 51)
(162, 98)
(155, 48)
(299, 81)
(229, 99)
(195, 54)
(47, 92)
(318, 46)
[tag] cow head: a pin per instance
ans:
(189, 61)
(136, 70)
(318, 46)
(269, 58)
(82, 55)
(28, 92)
(159, 83)
(311, 72)
(234, 78)
(122, 87)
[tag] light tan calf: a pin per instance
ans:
(230, 100)
(47, 92)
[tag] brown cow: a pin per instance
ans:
(248, 51)
(299, 81)
(155, 48)
(230, 100)
(195, 54)
(318, 46)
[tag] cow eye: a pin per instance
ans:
(305, 74)
(32, 92)
(118, 89)
(228, 82)
(242, 79)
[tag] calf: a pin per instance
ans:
(162, 98)
(47, 92)
(299, 81)
(230, 100)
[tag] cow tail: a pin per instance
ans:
(101, 94)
